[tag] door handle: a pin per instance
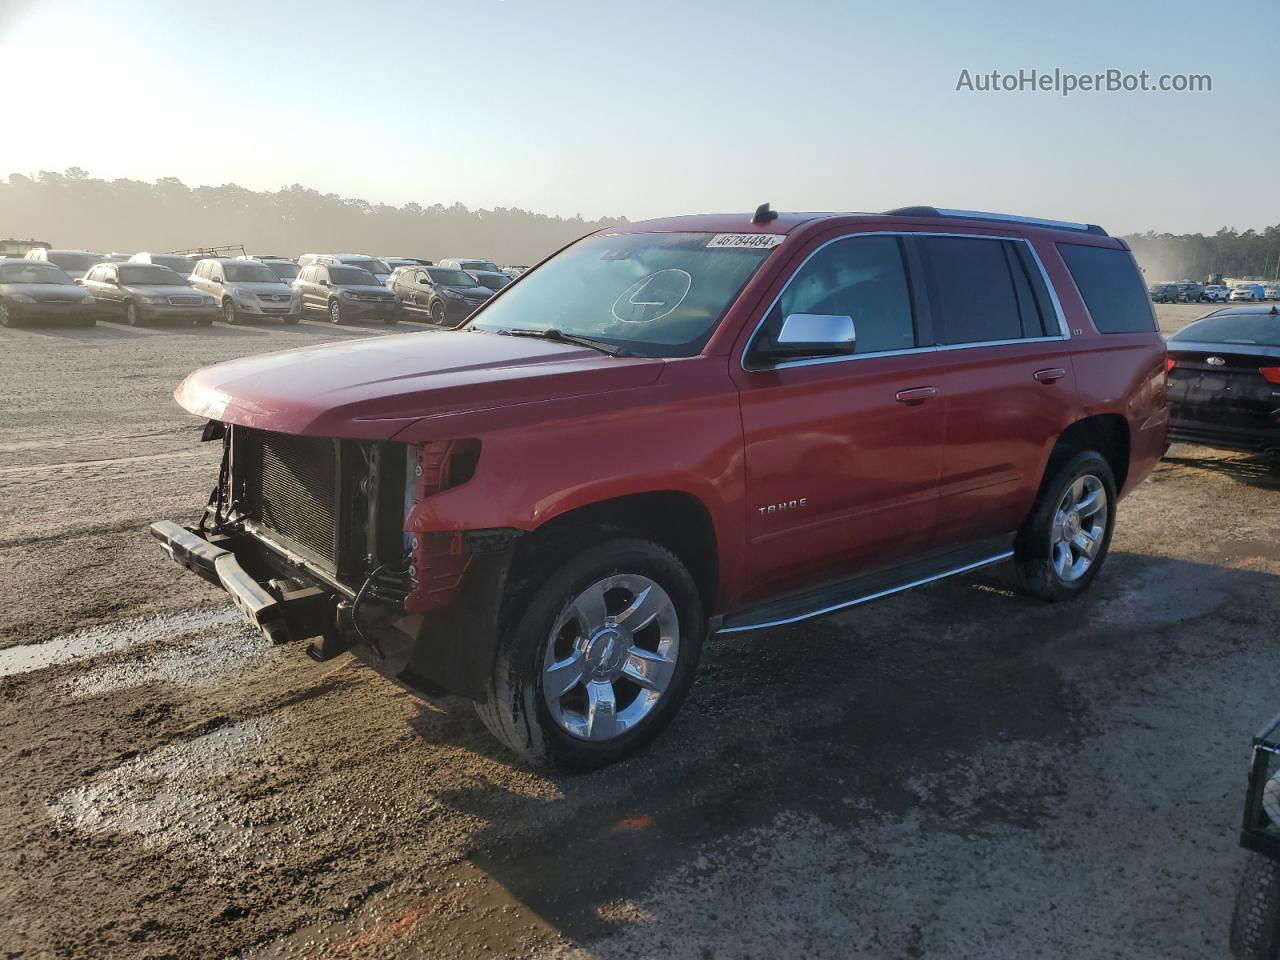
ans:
(1050, 375)
(915, 394)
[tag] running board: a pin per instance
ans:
(867, 587)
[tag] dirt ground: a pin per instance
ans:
(954, 772)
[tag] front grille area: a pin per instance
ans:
(181, 301)
(291, 488)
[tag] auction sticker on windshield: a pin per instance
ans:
(756, 241)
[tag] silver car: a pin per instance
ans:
(245, 289)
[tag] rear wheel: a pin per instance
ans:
(1255, 921)
(335, 311)
(1063, 543)
(437, 313)
(597, 658)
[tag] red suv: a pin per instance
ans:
(681, 427)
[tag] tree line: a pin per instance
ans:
(1194, 256)
(74, 210)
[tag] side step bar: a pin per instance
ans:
(221, 566)
(864, 588)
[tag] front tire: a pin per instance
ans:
(1064, 542)
(229, 312)
(437, 313)
(131, 315)
(1255, 920)
(335, 311)
(7, 319)
(596, 658)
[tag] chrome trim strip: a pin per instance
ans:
(932, 348)
(1014, 218)
(869, 597)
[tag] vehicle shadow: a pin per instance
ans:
(1252, 469)
(184, 328)
(103, 330)
(839, 720)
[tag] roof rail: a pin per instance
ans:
(1001, 217)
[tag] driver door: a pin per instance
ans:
(842, 453)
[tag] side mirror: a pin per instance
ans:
(324, 283)
(79, 281)
(813, 335)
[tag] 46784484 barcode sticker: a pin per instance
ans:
(753, 241)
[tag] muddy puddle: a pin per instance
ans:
(111, 638)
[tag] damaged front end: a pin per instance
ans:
(308, 537)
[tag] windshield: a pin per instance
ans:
(371, 264)
(183, 265)
(1249, 329)
(494, 281)
(653, 294)
(150, 275)
(451, 278)
(249, 273)
(351, 275)
(481, 265)
(283, 269)
(74, 262)
(32, 273)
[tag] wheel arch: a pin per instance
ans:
(675, 519)
(1108, 433)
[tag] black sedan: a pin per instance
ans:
(36, 291)
(1224, 380)
(446, 295)
(141, 292)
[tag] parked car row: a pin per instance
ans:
(141, 287)
(1188, 291)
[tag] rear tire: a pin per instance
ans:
(1064, 541)
(1255, 921)
(550, 624)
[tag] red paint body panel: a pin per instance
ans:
(562, 427)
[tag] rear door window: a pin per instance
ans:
(972, 294)
(1112, 288)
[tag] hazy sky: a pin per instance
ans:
(636, 108)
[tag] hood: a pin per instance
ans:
(163, 289)
(47, 292)
(476, 291)
(373, 389)
(260, 286)
(363, 288)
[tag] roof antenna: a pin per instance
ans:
(763, 214)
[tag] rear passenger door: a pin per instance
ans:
(1008, 383)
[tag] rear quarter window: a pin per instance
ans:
(1112, 289)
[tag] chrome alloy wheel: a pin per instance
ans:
(611, 656)
(1079, 524)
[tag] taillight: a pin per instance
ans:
(1169, 364)
(1270, 374)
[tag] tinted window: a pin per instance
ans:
(351, 275)
(860, 277)
(249, 272)
(74, 261)
(451, 278)
(32, 273)
(971, 290)
(1252, 329)
(1111, 287)
(150, 275)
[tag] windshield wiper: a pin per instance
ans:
(559, 336)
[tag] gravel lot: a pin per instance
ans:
(954, 772)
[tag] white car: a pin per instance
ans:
(1246, 291)
(1215, 293)
(246, 288)
(1272, 291)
